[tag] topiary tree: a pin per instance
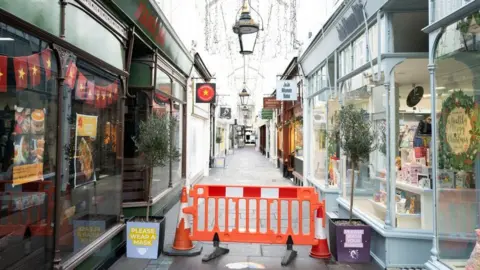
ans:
(155, 142)
(356, 138)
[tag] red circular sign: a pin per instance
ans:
(205, 93)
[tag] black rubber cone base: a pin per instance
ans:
(195, 251)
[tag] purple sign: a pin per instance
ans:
(353, 244)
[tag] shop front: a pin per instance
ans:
(198, 116)
(381, 68)
(454, 77)
(159, 67)
(263, 140)
(297, 142)
(289, 125)
(61, 99)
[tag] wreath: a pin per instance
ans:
(447, 159)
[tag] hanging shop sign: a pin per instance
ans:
(85, 136)
(286, 90)
(225, 112)
(458, 131)
(271, 103)
(205, 92)
(267, 114)
(29, 145)
(146, 14)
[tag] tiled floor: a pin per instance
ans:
(245, 167)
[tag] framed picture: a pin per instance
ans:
(446, 179)
(424, 181)
(464, 179)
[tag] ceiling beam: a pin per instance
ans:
(249, 67)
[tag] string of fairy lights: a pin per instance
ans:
(279, 38)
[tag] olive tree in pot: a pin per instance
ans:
(350, 238)
(145, 235)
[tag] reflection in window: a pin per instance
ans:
(91, 195)
(161, 175)
(161, 104)
(319, 136)
(458, 91)
(361, 95)
(177, 113)
(28, 129)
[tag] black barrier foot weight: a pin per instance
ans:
(195, 251)
(290, 254)
(217, 252)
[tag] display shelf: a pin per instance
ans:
(407, 187)
(404, 220)
(426, 206)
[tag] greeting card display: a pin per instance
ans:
(445, 179)
(29, 145)
(85, 135)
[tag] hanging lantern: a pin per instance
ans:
(247, 30)
(244, 96)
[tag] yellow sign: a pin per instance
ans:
(86, 234)
(86, 126)
(458, 130)
(27, 173)
(142, 236)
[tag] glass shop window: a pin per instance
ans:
(91, 191)
(28, 148)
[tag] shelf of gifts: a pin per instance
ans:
(417, 189)
(383, 207)
(404, 220)
(421, 220)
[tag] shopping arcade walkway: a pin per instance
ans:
(244, 167)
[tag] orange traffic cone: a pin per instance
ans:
(183, 245)
(320, 251)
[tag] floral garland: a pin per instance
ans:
(464, 160)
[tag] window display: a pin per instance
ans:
(161, 104)
(91, 193)
(333, 149)
(28, 148)
(319, 138)
(299, 138)
(280, 142)
(458, 129)
(413, 185)
(177, 112)
(369, 178)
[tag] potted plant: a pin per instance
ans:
(350, 238)
(145, 235)
(218, 139)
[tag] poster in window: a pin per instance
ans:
(85, 136)
(110, 136)
(29, 145)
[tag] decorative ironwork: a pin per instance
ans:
(102, 13)
(63, 56)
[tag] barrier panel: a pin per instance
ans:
(254, 214)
